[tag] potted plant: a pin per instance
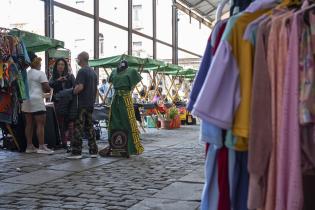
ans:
(174, 117)
(165, 119)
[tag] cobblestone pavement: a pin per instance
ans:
(167, 176)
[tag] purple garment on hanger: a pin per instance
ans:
(205, 64)
(223, 78)
(202, 73)
(289, 194)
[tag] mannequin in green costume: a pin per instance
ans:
(122, 116)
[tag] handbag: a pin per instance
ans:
(73, 108)
(63, 101)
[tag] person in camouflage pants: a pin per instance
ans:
(85, 90)
(83, 124)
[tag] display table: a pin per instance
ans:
(52, 134)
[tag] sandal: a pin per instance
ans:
(105, 152)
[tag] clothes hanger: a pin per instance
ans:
(290, 4)
(306, 13)
(219, 11)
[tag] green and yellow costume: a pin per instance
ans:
(122, 115)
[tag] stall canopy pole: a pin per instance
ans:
(129, 27)
(154, 28)
(173, 81)
(177, 89)
(136, 85)
(168, 92)
(146, 94)
(174, 33)
(13, 136)
(170, 88)
(105, 97)
(142, 97)
(157, 86)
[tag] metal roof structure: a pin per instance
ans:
(205, 8)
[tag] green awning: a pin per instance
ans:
(112, 62)
(186, 73)
(59, 53)
(190, 76)
(35, 42)
(148, 64)
(170, 69)
(153, 64)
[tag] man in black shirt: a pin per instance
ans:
(85, 88)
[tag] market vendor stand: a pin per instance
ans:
(35, 43)
(155, 69)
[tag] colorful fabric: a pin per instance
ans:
(17, 74)
(213, 137)
(289, 192)
(307, 74)
(13, 77)
(223, 179)
(210, 193)
(201, 75)
(1, 71)
(251, 30)
(276, 67)
(260, 143)
(243, 52)
(227, 83)
(6, 108)
(240, 182)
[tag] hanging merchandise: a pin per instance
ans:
(14, 61)
(14, 88)
(254, 93)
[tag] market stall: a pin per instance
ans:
(158, 72)
(143, 65)
(177, 108)
(14, 61)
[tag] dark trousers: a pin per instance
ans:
(83, 123)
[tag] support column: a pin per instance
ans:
(96, 33)
(129, 27)
(154, 27)
(174, 33)
(49, 18)
(97, 37)
(49, 27)
(96, 30)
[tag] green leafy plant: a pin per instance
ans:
(169, 114)
(173, 112)
(164, 116)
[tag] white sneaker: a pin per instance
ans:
(44, 150)
(74, 157)
(93, 155)
(31, 149)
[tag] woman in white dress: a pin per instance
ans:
(34, 108)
